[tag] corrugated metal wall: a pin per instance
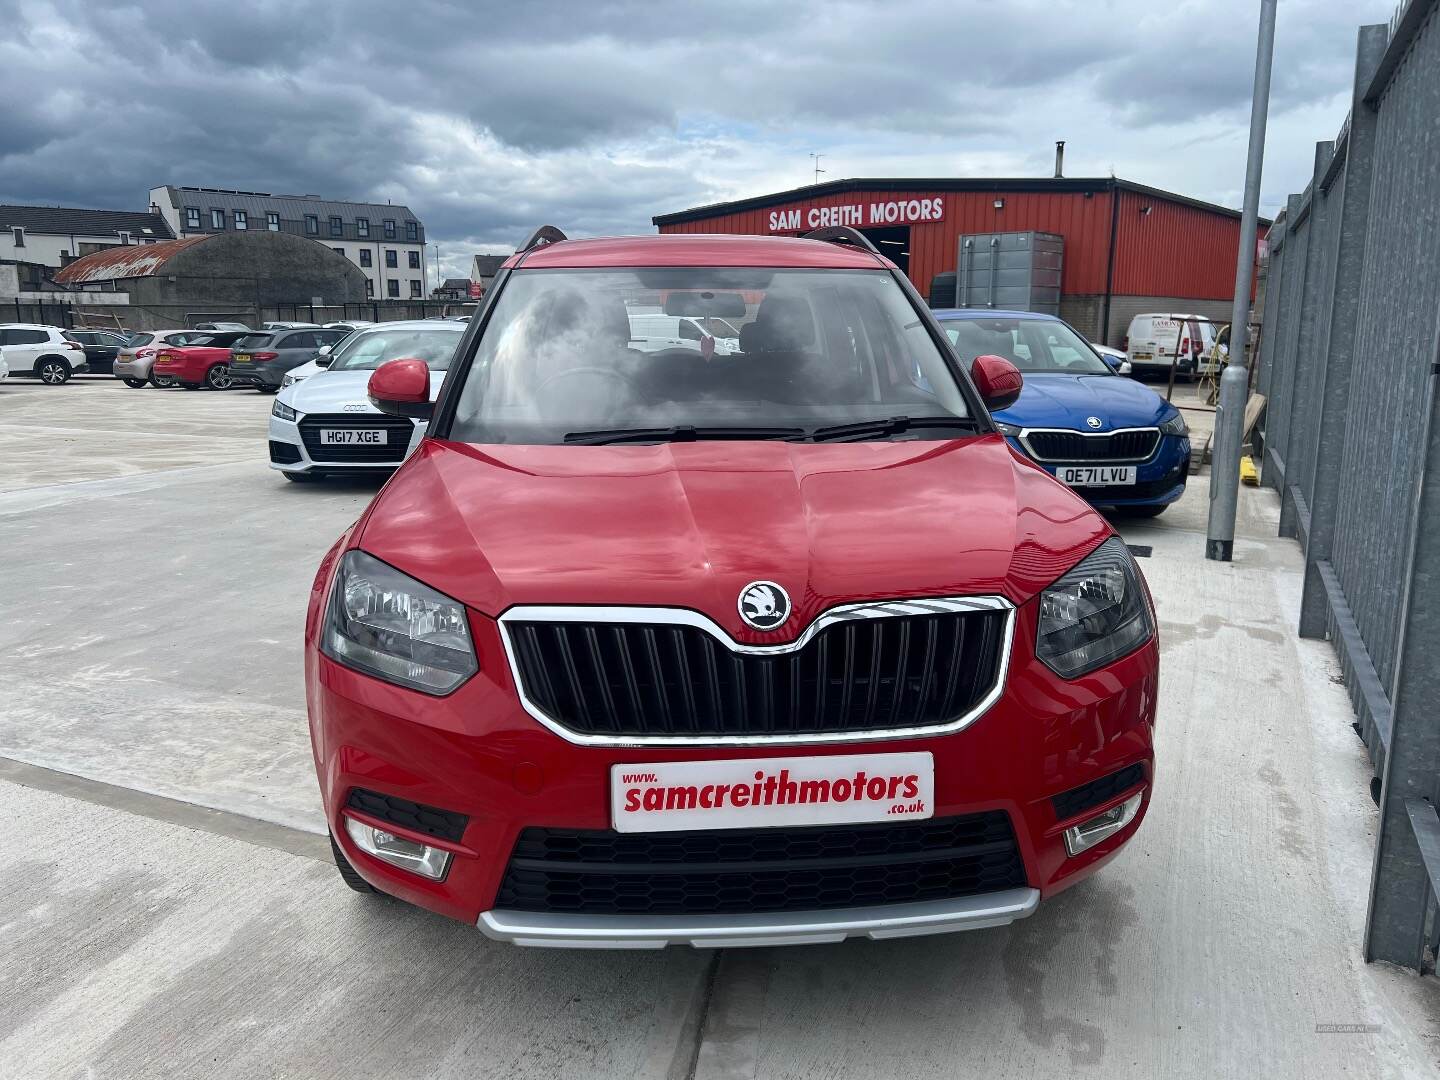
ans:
(1083, 220)
(1175, 250)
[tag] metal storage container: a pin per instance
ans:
(1017, 271)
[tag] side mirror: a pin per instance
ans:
(1113, 363)
(401, 388)
(998, 380)
(322, 356)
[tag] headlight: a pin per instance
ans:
(282, 411)
(1094, 614)
(1175, 425)
(1012, 430)
(388, 625)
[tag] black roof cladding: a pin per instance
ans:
(1047, 184)
(73, 221)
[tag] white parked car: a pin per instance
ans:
(323, 424)
(42, 351)
(4, 369)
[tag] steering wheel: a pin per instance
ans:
(623, 387)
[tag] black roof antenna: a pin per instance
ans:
(843, 234)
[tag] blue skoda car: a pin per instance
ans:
(1115, 441)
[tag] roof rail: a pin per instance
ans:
(545, 234)
(843, 234)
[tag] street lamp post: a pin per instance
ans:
(1235, 382)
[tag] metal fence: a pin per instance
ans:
(1348, 363)
(70, 310)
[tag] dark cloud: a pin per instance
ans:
(487, 118)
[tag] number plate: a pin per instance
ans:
(353, 436)
(242, 358)
(755, 793)
(1096, 475)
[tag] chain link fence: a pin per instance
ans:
(1348, 363)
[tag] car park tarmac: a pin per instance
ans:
(171, 910)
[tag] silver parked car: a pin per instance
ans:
(136, 359)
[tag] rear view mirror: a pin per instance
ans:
(724, 305)
(401, 388)
(998, 380)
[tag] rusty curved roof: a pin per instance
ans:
(132, 261)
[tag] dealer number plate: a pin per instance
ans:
(353, 436)
(1096, 475)
(756, 793)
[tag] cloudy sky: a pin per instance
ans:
(489, 118)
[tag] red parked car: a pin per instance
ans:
(773, 646)
(203, 362)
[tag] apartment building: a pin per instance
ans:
(387, 242)
(53, 236)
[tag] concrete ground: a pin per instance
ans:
(170, 909)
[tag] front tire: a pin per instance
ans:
(261, 388)
(347, 872)
(218, 378)
(1145, 511)
(53, 371)
(136, 384)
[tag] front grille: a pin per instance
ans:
(1077, 800)
(430, 820)
(725, 871)
(283, 453)
(871, 674)
(392, 451)
(1074, 446)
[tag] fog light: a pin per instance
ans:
(1089, 833)
(428, 862)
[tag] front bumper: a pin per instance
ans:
(779, 928)
(1159, 481)
(479, 754)
(288, 452)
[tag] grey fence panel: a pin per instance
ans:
(1394, 334)
(1282, 383)
(1273, 311)
(1349, 366)
(1300, 449)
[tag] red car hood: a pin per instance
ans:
(689, 524)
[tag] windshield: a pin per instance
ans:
(366, 350)
(566, 352)
(1035, 346)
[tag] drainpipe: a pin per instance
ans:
(1059, 158)
(1110, 262)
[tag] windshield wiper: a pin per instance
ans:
(680, 433)
(893, 425)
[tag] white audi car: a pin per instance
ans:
(324, 424)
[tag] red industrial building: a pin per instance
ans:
(1128, 248)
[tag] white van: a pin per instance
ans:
(654, 333)
(1154, 340)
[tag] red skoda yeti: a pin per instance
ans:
(757, 636)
